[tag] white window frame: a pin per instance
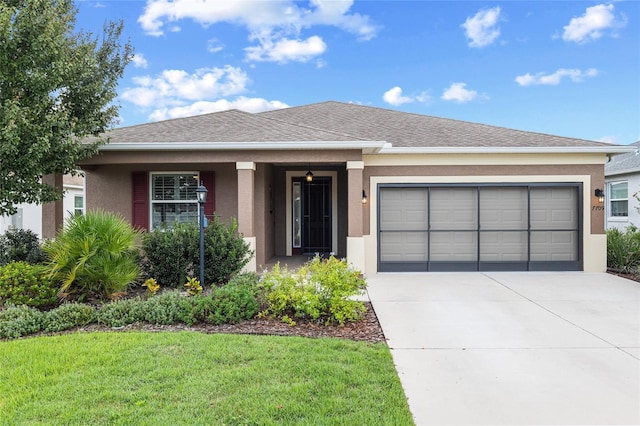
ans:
(611, 199)
(78, 211)
(153, 202)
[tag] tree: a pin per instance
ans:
(56, 91)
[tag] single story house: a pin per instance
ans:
(39, 217)
(622, 179)
(391, 191)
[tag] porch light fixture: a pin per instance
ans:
(600, 194)
(365, 199)
(201, 193)
(309, 175)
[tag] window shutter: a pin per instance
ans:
(140, 200)
(208, 180)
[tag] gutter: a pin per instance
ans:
(613, 149)
(367, 147)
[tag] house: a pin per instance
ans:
(37, 217)
(622, 180)
(391, 191)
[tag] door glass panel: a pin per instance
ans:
(297, 214)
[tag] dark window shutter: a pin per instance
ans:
(140, 200)
(208, 180)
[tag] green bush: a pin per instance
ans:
(94, 256)
(168, 254)
(18, 321)
(322, 289)
(69, 315)
(24, 284)
(173, 255)
(122, 312)
(170, 307)
(20, 245)
(623, 250)
(229, 304)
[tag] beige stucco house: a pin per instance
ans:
(440, 194)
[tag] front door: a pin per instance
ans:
(315, 215)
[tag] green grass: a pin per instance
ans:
(191, 378)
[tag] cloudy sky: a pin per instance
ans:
(569, 68)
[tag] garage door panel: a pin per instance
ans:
(500, 246)
(404, 247)
(554, 208)
(403, 209)
(454, 246)
(554, 246)
(454, 208)
(503, 208)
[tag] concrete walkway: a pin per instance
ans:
(513, 348)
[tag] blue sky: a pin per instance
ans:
(569, 68)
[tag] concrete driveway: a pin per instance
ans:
(512, 347)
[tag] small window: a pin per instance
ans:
(173, 198)
(78, 205)
(618, 199)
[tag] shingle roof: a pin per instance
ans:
(225, 126)
(403, 129)
(337, 121)
(624, 163)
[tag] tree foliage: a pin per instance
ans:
(56, 89)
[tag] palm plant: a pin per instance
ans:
(94, 255)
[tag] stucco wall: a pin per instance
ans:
(633, 186)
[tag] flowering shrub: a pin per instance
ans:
(322, 289)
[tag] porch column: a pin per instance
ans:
(52, 213)
(355, 240)
(246, 214)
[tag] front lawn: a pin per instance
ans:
(189, 378)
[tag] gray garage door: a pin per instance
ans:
(479, 227)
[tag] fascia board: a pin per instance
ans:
(368, 147)
(614, 149)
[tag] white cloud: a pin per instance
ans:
(285, 50)
(457, 92)
(275, 24)
(592, 24)
(214, 45)
(575, 75)
(139, 61)
(175, 86)
(481, 29)
(608, 139)
(394, 97)
(203, 107)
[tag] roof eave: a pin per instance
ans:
(367, 147)
(613, 149)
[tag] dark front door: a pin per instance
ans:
(316, 216)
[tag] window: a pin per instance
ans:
(78, 205)
(618, 198)
(173, 198)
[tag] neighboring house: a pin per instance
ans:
(35, 216)
(622, 177)
(440, 194)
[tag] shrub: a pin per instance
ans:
(20, 245)
(623, 250)
(168, 254)
(171, 256)
(170, 307)
(17, 321)
(322, 289)
(229, 304)
(152, 287)
(24, 284)
(94, 255)
(69, 315)
(226, 252)
(122, 312)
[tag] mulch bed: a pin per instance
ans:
(366, 329)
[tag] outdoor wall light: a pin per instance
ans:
(600, 194)
(309, 175)
(365, 199)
